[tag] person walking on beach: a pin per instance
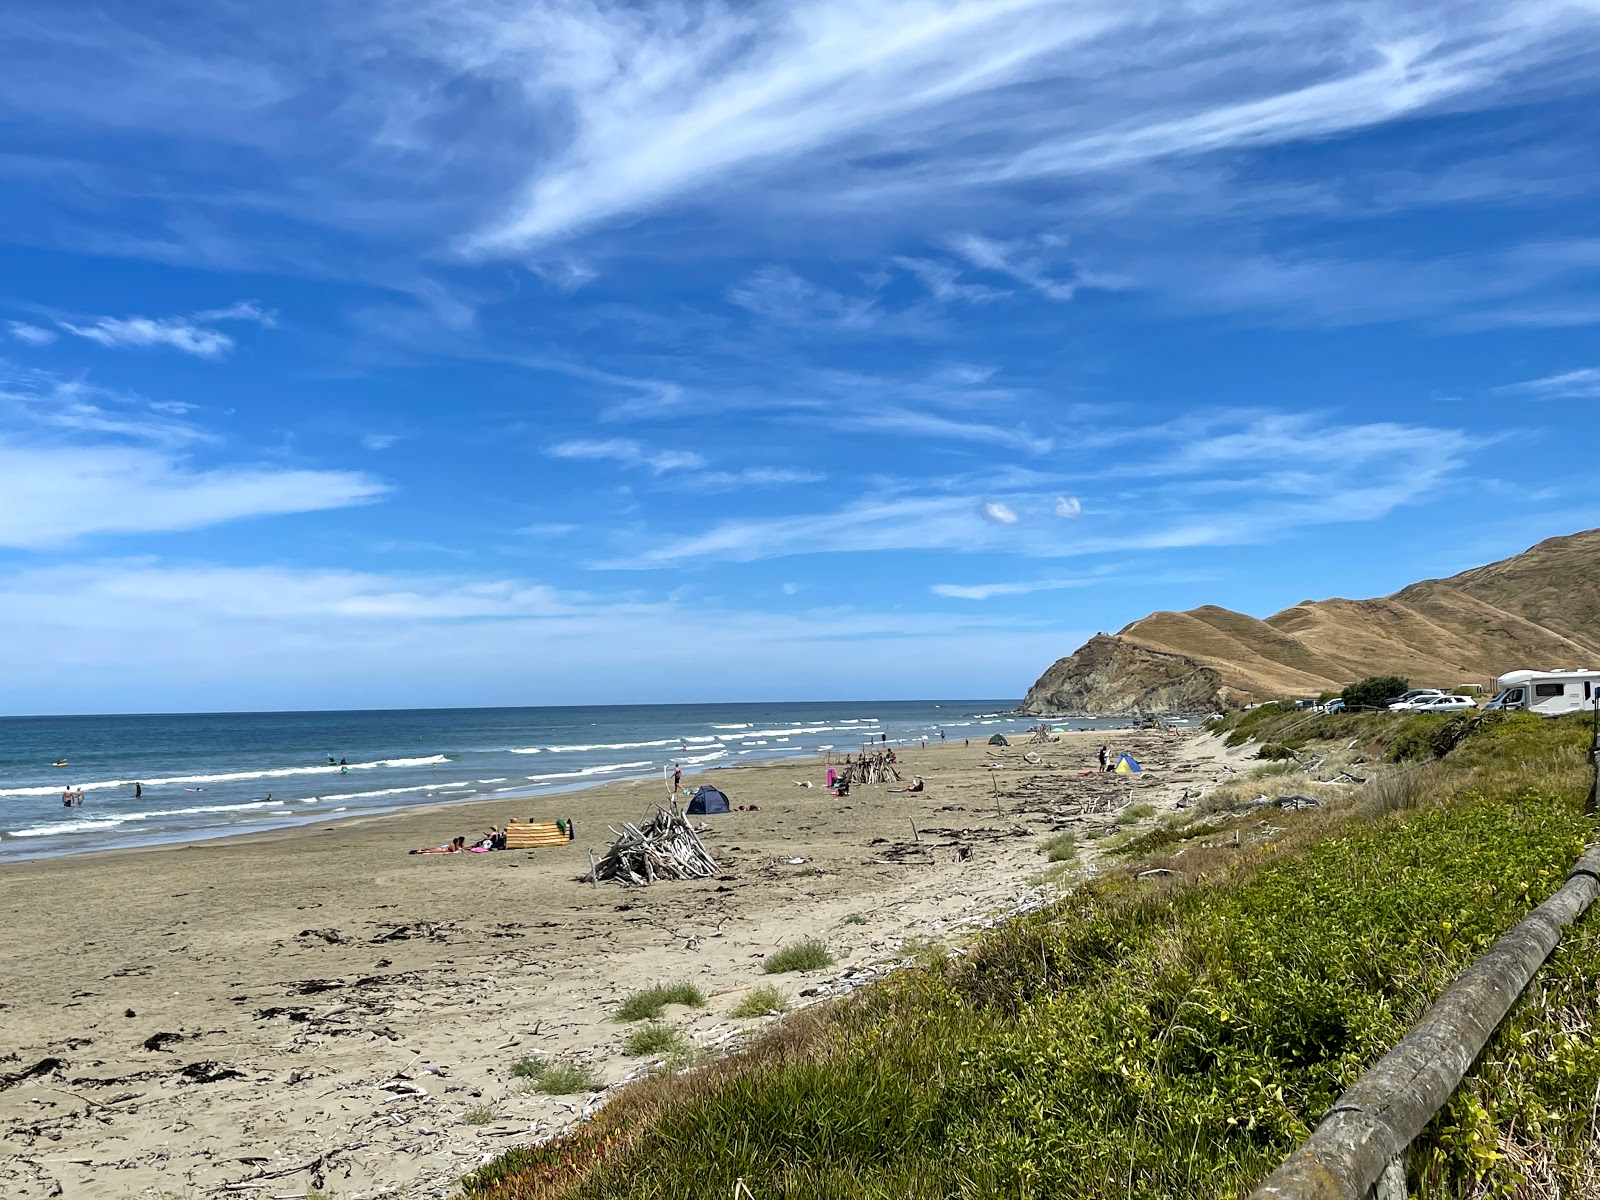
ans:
(1105, 756)
(677, 778)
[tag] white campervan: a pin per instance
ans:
(1548, 692)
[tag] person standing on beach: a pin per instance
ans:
(677, 778)
(1105, 756)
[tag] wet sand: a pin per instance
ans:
(315, 1008)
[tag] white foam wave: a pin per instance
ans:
(112, 820)
(738, 725)
(232, 776)
(616, 746)
(588, 771)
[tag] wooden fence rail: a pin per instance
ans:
(1354, 1153)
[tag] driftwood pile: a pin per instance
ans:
(1041, 735)
(877, 767)
(662, 846)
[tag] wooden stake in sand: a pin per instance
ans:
(662, 846)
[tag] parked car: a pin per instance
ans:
(1407, 700)
(1443, 704)
(1335, 705)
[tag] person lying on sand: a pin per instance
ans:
(456, 846)
(916, 786)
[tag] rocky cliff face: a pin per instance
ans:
(1536, 609)
(1113, 675)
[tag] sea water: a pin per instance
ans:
(208, 775)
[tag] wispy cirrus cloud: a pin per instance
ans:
(51, 495)
(1025, 587)
(1582, 384)
(1225, 480)
(191, 334)
(628, 453)
(32, 335)
(780, 295)
(79, 460)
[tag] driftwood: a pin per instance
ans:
(662, 846)
(876, 767)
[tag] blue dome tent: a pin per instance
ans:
(707, 800)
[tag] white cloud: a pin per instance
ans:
(1225, 479)
(984, 591)
(191, 334)
(912, 423)
(629, 453)
(943, 281)
(51, 494)
(780, 295)
(1068, 507)
(998, 512)
(1582, 384)
(1015, 260)
(750, 477)
(669, 102)
(379, 441)
(33, 335)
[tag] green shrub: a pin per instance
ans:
(1375, 691)
(655, 1040)
(763, 1001)
(802, 956)
(855, 919)
(1061, 848)
(1275, 752)
(647, 1005)
(482, 1115)
(558, 1078)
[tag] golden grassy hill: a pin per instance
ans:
(1538, 609)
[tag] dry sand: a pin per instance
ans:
(316, 1008)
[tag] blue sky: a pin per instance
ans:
(544, 351)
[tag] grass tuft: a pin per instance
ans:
(763, 1001)
(482, 1115)
(647, 1005)
(802, 956)
(1061, 848)
(656, 1041)
(557, 1078)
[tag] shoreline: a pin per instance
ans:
(317, 989)
(116, 828)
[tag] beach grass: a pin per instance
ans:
(1169, 1036)
(855, 919)
(483, 1114)
(648, 1004)
(656, 1041)
(1061, 848)
(557, 1078)
(809, 955)
(763, 1001)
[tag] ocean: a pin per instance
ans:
(214, 774)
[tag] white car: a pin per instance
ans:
(1444, 704)
(1411, 699)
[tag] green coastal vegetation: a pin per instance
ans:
(1179, 1018)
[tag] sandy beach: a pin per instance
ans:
(316, 1009)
